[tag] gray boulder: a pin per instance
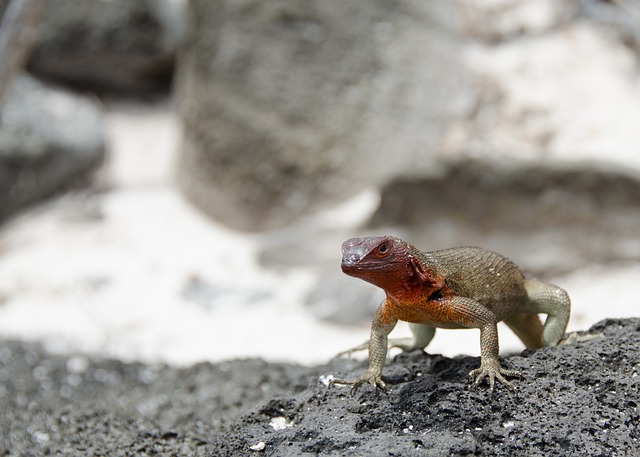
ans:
(127, 46)
(49, 140)
(288, 107)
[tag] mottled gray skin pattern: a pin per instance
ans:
(464, 287)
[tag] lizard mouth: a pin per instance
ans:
(352, 265)
(350, 262)
(349, 268)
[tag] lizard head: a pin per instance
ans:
(380, 260)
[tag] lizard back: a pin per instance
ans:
(485, 276)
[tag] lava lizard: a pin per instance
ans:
(463, 287)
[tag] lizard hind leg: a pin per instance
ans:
(422, 336)
(528, 328)
(348, 352)
(546, 298)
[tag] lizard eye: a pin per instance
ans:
(382, 250)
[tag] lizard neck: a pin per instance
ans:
(417, 283)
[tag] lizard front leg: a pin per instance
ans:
(489, 363)
(381, 326)
(422, 336)
(480, 317)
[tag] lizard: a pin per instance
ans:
(461, 287)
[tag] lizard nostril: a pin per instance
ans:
(350, 259)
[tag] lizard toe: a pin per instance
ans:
(375, 381)
(493, 373)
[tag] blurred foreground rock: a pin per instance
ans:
(579, 399)
(49, 140)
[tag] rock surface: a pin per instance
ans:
(579, 399)
(49, 140)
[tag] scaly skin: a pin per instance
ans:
(466, 287)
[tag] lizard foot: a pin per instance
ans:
(368, 378)
(493, 371)
(575, 338)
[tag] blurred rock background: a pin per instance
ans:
(219, 152)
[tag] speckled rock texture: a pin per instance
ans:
(578, 399)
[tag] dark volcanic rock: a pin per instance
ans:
(579, 399)
(77, 405)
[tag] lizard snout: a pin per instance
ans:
(350, 259)
(353, 251)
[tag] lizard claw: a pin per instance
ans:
(493, 371)
(368, 378)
